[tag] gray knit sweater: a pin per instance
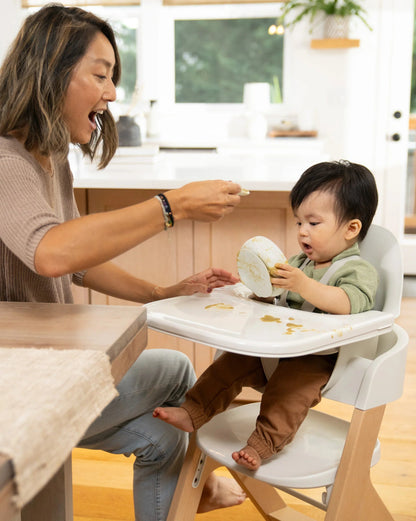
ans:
(31, 203)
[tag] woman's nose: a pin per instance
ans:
(110, 91)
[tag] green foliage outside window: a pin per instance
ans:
(126, 43)
(215, 58)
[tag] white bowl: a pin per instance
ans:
(255, 259)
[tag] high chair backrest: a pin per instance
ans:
(382, 250)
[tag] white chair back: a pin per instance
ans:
(381, 249)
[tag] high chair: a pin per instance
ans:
(326, 451)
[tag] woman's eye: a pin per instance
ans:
(313, 224)
(101, 77)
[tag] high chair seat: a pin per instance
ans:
(310, 460)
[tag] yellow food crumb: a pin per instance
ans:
(220, 305)
(270, 318)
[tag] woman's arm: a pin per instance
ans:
(108, 278)
(95, 239)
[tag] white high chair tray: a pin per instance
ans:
(242, 325)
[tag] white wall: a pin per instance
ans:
(10, 21)
(337, 84)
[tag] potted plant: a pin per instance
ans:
(337, 14)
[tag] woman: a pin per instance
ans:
(55, 86)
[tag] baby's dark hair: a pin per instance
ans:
(353, 186)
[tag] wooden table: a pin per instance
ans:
(119, 331)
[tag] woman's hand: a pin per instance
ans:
(204, 200)
(203, 282)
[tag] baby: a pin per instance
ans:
(333, 205)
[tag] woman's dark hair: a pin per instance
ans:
(35, 75)
(353, 186)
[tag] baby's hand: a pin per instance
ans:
(287, 277)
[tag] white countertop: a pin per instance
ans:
(255, 167)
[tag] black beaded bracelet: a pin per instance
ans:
(167, 211)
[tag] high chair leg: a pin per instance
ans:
(353, 495)
(194, 473)
(267, 500)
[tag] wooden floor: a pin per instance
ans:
(102, 482)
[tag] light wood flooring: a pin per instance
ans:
(102, 482)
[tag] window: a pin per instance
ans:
(125, 23)
(205, 54)
(125, 31)
(215, 58)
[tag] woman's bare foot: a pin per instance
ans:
(176, 416)
(220, 492)
(247, 457)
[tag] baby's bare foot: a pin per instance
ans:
(220, 492)
(247, 457)
(176, 416)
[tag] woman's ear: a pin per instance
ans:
(353, 229)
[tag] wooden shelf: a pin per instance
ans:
(293, 133)
(334, 43)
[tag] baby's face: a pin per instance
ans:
(320, 235)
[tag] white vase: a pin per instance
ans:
(336, 26)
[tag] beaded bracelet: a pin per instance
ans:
(166, 210)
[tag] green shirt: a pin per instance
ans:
(358, 278)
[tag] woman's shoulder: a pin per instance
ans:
(10, 147)
(8, 143)
(14, 158)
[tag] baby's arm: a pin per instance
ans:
(329, 299)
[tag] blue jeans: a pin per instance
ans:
(126, 426)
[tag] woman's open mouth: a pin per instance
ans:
(92, 118)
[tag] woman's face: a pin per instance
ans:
(90, 89)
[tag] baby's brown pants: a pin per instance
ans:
(294, 387)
